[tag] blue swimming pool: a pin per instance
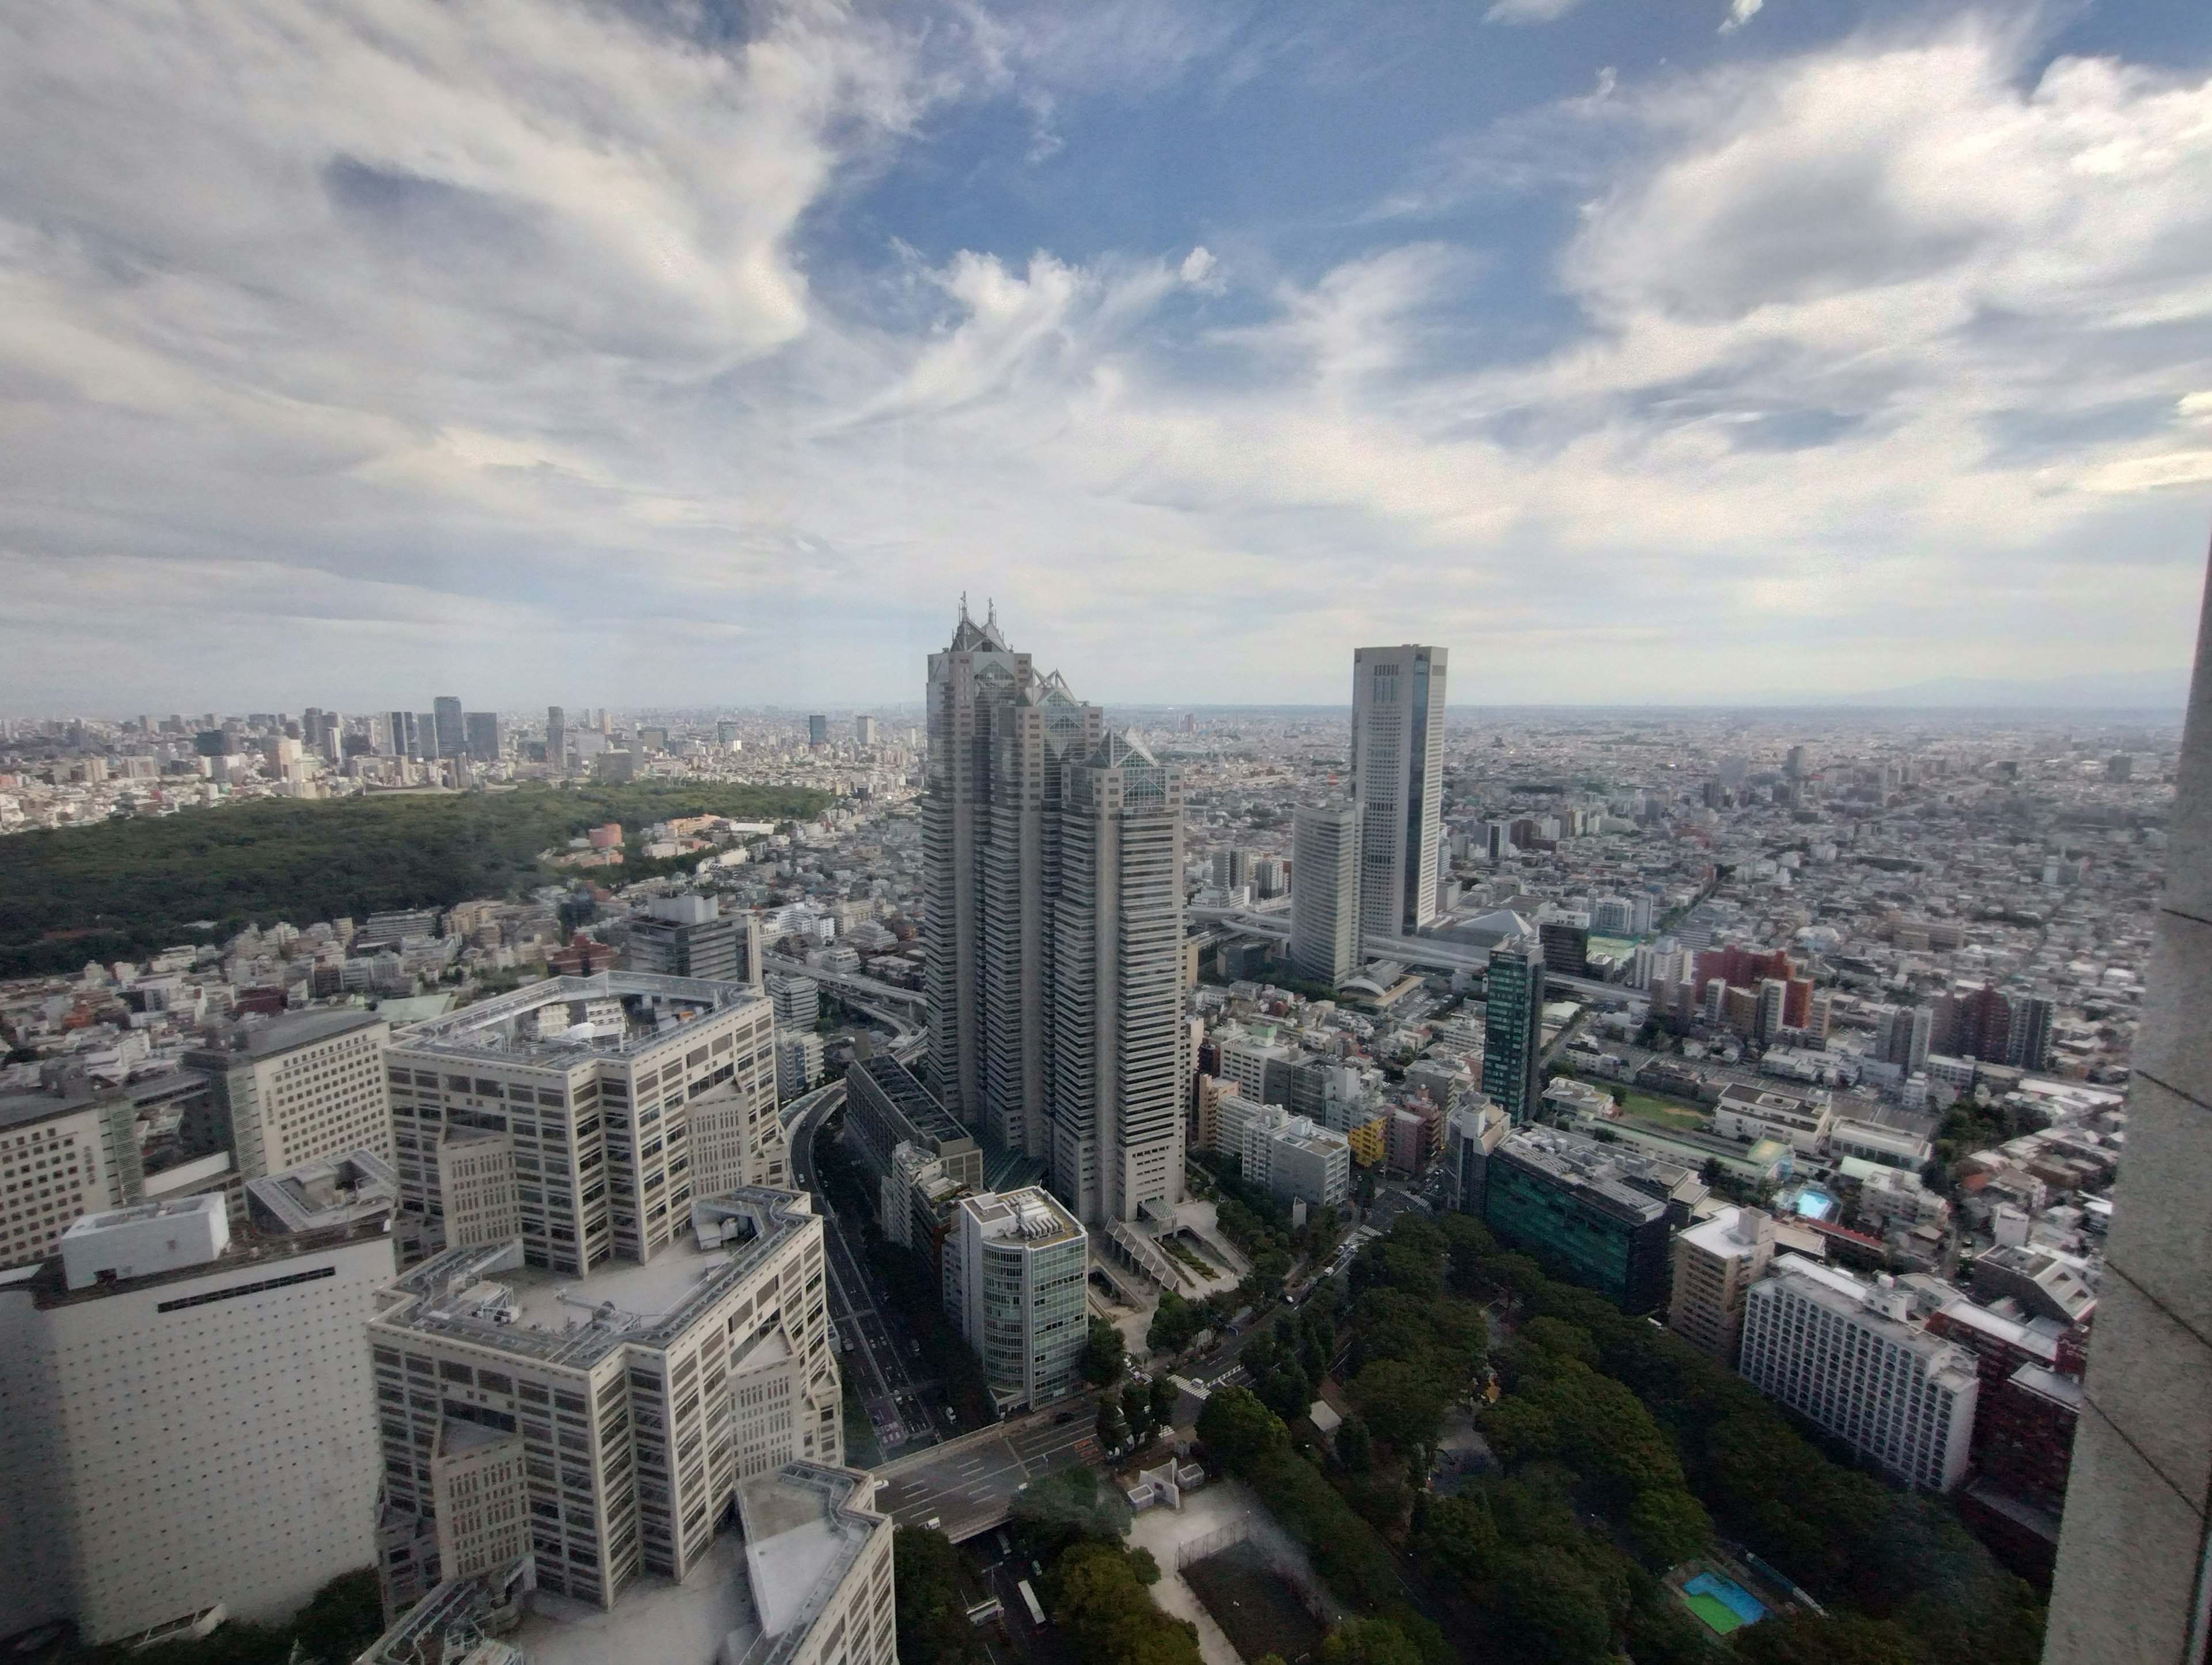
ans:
(1723, 1604)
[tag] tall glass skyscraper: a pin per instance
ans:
(1397, 774)
(1513, 1028)
(1051, 858)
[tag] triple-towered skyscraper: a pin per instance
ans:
(1053, 875)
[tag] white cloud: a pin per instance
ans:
(1741, 12)
(1528, 11)
(478, 334)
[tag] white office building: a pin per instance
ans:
(1846, 1355)
(1397, 771)
(1325, 891)
(186, 1417)
(617, 1091)
(618, 1413)
(1015, 1265)
(300, 1087)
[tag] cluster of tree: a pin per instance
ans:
(931, 1619)
(1254, 1219)
(1177, 1323)
(1105, 1352)
(1134, 1416)
(335, 1628)
(116, 889)
(1250, 1441)
(1907, 1573)
(1097, 1591)
(1417, 1342)
(1288, 1361)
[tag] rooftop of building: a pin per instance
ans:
(488, 1296)
(294, 1030)
(1732, 1233)
(1595, 1170)
(65, 1098)
(1032, 1214)
(1759, 1099)
(248, 1250)
(909, 1098)
(655, 1009)
(805, 1525)
(338, 1190)
(1839, 1291)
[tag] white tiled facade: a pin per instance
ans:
(55, 1165)
(1821, 1342)
(309, 1086)
(202, 1436)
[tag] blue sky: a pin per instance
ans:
(1668, 350)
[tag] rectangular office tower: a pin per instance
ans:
(613, 1100)
(615, 1417)
(557, 741)
(1513, 1027)
(1118, 1038)
(1846, 1355)
(1000, 736)
(303, 1086)
(1325, 891)
(1398, 781)
(447, 727)
(187, 1417)
(1015, 1263)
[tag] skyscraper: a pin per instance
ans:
(557, 741)
(1052, 866)
(1014, 1267)
(1115, 1033)
(1397, 768)
(991, 808)
(1325, 891)
(481, 729)
(818, 730)
(1513, 1028)
(450, 734)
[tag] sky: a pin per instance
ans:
(1666, 351)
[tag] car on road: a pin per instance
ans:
(1064, 1417)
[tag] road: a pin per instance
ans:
(895, 1398)
(969, 1486)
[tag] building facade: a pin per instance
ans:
(306, 1086)
(1015, 1266)
(595, 1080)
(1513, 1028)
(640, 1396)
(1397, 769)
(1716, 1263)
(186, 1417)
(1560, 1199)
(66, 1151)
(1846, 1355)
(1325, 891)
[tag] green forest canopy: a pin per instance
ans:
(119, 889)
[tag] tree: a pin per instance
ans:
(1549, 1608)
(1098, 1596)
(1113, 1425)
(1401, 1403)
(1836, 1639)
(1355, 1446)
(1458, 1538)
(1163, 1395)
(933, 1625)
(1668, 1525)
(1068, 1506)
(1103, 1352)
(1174, 1322)
(1368, 1642)
(1238, 1429)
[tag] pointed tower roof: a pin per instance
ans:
(1118, 749)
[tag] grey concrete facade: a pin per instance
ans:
(2132, 1586)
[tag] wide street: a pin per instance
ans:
(969, 1484)
(897, 1401)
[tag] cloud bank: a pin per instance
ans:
(502, 344)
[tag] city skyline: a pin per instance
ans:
(1201, 344)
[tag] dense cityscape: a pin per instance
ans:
(1168, 1146)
